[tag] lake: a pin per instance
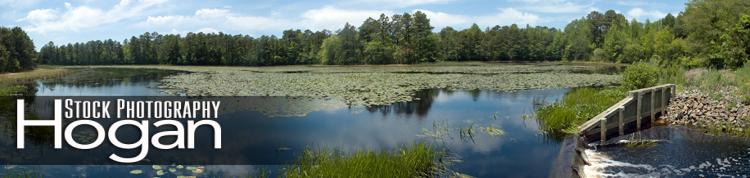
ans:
(487, 133)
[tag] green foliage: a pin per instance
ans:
(640, 75)
(709, 32)
(576, 107)
(715, 29)
(672, 74)
(16, 50)
(418, 160)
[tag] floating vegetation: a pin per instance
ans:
(373, 85)
(315, 88)
(136, 172)
(439, 131)
(492, 131)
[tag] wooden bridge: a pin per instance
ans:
(638, 110)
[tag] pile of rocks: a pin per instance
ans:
(697, 109)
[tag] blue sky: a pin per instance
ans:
(84, 20)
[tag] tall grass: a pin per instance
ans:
(576, 107)
(13, 83)
(418, 160)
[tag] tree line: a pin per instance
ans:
(17, 51)
(706, 33)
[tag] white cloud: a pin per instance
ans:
(82, 17)
(212, 13)
(39, 16)
(565, 7)
(508, 16)
(397, 3)
(331, 18)
(208, 30)
(554, 6)
(504, 16)
(442, 19)
(215, 20)
(642, 14)
(328, 17)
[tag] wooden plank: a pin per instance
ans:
(590, 123)
(590, 127)
(621, 123)
(638, 110)
(603, 129)
(663, 100)
(653, 109)
(651, 88)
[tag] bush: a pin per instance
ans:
(640, 75)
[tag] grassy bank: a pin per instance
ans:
(717, 101)
(582, 104)
(419, 160)
(39, 73)
(14, 83)
(576, 107)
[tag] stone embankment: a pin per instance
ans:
(722, 110)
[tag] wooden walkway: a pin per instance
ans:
(638, 110)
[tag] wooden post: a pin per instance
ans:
(603, 130)
(653, 102)
(663, 100)
(638, 111)
(621, 123)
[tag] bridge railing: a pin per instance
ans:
(639, 109)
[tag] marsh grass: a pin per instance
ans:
(27, 76)
(576, 107)
(418, 160)
(14, 83)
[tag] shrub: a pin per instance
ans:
(640, 75)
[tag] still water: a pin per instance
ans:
(505, 140)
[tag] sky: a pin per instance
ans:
(83, 20)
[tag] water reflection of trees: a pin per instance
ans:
(108, 77)
(8, 113)
(420, 106)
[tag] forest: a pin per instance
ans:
(17, 51)
(707, 33)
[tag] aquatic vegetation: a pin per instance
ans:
(493, 131)
(136, 172)
(418, 160)
(374, 85)
(439, 131)
(467, 133)
(576, 107)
